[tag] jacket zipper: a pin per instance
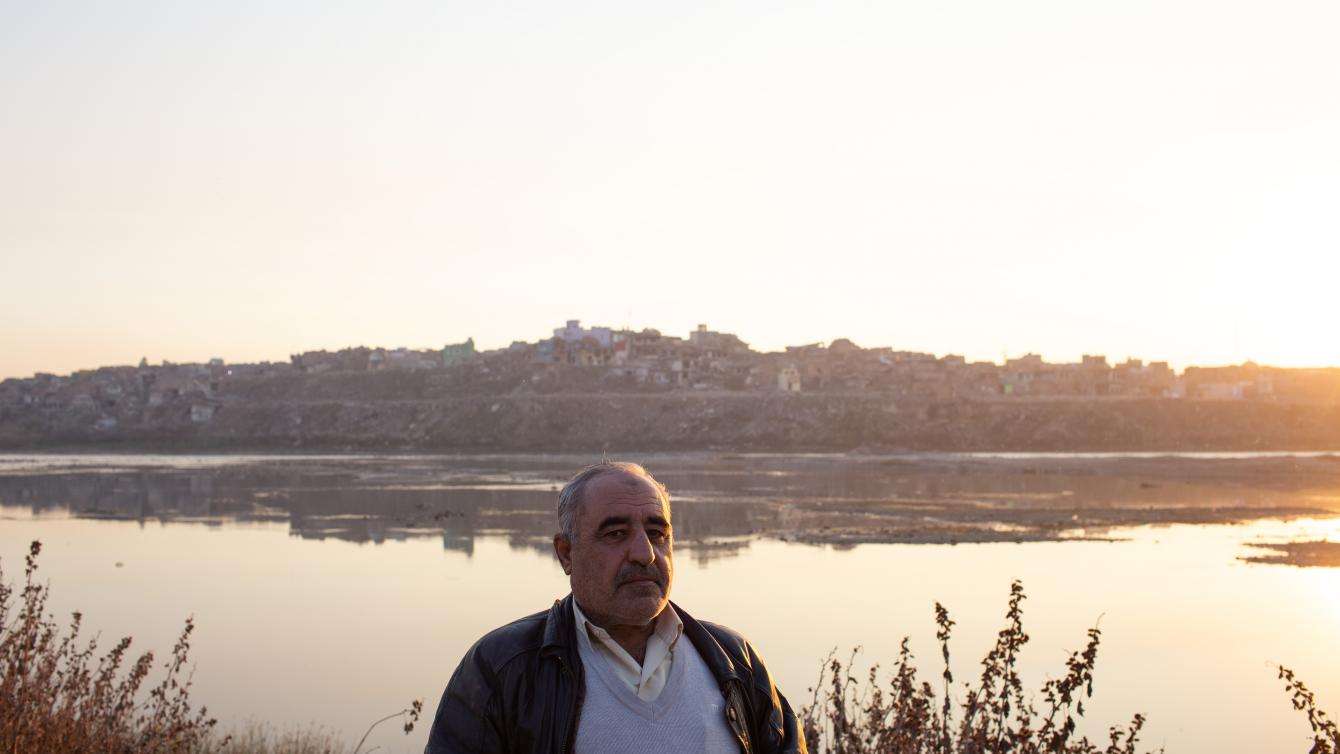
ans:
(576, 707)
(733, 717)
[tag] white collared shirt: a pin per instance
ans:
(645, 679)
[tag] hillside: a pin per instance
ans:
(411, 411)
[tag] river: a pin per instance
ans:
(332, 590)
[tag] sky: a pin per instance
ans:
(247, 180)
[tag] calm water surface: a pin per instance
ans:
(319, 599)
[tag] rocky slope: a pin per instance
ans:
(331, 412)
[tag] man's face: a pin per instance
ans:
(620, 562)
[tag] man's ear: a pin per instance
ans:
(563, 549)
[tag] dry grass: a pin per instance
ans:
(908, 716)
(1325, 736)
(261, 738)
(58, 695)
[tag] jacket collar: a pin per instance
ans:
(560, 634)
(560, 637)
(720, 663)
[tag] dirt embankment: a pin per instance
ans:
(1306, 554)
(312, 413)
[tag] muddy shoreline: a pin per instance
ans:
(1322, 554)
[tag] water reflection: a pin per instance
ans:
(722, 502)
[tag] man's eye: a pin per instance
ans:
(655, 535)
(615, 534)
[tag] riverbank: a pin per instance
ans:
(1307, 554)
(311, 415)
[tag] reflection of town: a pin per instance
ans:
(722, 503)
(331, 505)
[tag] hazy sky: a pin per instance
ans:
(251, 179)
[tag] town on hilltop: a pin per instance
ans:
(602, 359)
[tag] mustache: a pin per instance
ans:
(634, 573)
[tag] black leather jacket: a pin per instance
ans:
(520, 688)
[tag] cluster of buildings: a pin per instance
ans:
(109, 396)
(710, 360)
(648, 360)
(703, 359)
(362, 359)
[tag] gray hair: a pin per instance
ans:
(573, 494)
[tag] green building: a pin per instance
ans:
(453, 353)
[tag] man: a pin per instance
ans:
(614, 666)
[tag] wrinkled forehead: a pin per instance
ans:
(625, 495)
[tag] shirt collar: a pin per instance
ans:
(668, 628)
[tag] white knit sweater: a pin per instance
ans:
(689, 714)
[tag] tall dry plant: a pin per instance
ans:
(57, 694)
(906, 716)
(1325, 735)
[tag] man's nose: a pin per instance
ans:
(640, 550)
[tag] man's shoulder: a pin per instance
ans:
(508, 642)
(727, 637)
(734, 643)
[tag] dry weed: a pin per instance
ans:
(846, 716)
(1325, 736)
(58, 695)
